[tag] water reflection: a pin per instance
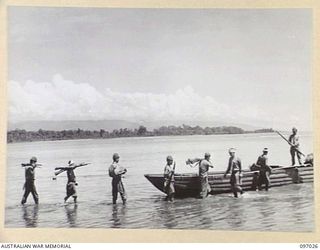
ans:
(71, 212)
(118, 215)
(266, 211)
(30, 215)
(298, 210)
(203, 211)
(283, 209)
(236, 212)
(168, 214)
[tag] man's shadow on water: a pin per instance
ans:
(71, 212)
(118, 215)
(30, 215)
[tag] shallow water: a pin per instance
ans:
(288, 208)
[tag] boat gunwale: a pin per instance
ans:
(245, 172)
(187, 182)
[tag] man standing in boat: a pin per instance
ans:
(71, 184)
(116, 172)
(204, 165)
(234, 167)
(29, 186)
(294, 149)
(264, 170)
(168, 185)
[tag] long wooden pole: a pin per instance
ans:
(289, 143)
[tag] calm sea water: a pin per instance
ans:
(288, 208)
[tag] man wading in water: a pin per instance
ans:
(204, 165)
(71, 184)
(116, 172)
(168, 184)
(234, 167)
(264, 170)
(29, 186)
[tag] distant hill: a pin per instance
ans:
(107, 125)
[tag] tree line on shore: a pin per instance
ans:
(21, 135)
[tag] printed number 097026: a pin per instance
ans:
(313, 245)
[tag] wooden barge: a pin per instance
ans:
(187, 185)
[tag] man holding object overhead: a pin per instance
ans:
(71, 184)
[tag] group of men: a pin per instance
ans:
(115, 171)
(234, 168)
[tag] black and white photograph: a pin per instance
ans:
(160, 118)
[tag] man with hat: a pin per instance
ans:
(294, 149)
(204, 165)
(29, 186)
(116, 172)
(71, 184)
(234, 166)
(168, 185)
(264, 170)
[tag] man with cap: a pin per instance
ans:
(264, 170)
(234, 166)
(204, 165)
(71, 184)
(294, 149)
(116, 172)
(168, 185)
(29, 186)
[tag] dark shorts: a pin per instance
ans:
(235, 179)
(264, 177)
(71, 189)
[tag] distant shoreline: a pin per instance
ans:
(21, 135)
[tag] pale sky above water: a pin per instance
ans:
(247, 66)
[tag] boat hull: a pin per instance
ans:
(189, 184)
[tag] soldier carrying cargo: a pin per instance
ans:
(116, 172)
(71, 184)
(204, 165)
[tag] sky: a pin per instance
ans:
(249, 66)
